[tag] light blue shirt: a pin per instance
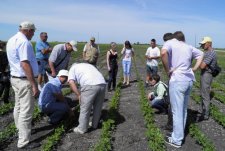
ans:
(19, 49)
(40, 45)
(180, 57)
(47, 94)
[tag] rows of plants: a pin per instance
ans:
(108, 126)
(201, 138)
(56, 136)
(154, 135)
(6, 108)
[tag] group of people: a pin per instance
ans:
(177, 56)
(50, 67)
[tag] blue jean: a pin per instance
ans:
(126, 67)
(55, 110)
(158, 104)
(179, 96)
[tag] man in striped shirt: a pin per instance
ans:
(209, 62)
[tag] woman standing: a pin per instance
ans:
(128, 53)
(112, 65)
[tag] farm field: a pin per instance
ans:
(127, 123)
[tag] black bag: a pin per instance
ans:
(216, 70)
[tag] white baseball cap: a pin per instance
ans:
(205, 40)
(27, 25)
(63, 73)
(73, 44)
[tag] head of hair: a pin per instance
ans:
(43, 33)
(156, 77)
(179, 36)
(127, 43)
(167, 36)
(153, 40)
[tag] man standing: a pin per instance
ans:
(209, 62)
(51, 100)
(92, 93)
(23, 69)
(91, 49)
(152, 55)
(176, 59)
(42, 54)
(60, 57)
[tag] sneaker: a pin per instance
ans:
(78, 131)
(169, 141)
(90, 124)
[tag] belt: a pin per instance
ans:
(19, 77)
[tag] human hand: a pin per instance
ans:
(35, 91)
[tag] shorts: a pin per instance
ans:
(151, 70)
(41, 66)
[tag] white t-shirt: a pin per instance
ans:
(85, 74)
(152, 52)
(127, 54)
(19, 48)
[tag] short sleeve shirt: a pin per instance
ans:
(180, 59)
(152, 52)
(85, 74)
(210, 59)
(128, 54)
(19, 49)
(47, 94)
(58, 53)
(40, 45)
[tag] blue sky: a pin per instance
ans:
(114, 20)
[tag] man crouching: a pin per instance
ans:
(51, 100)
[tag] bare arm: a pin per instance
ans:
(203, 65)
(47, 50)
(51, 65)
(30, 76)
(198, 63)
(107, 59)
(74, 88)
(164, 56)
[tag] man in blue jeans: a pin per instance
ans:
(52, 101)
(177, 58)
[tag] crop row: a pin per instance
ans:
(201, 138)
(108, 126)
(154, 135)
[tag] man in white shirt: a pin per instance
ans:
(92, 93)
(152, 55)
(23, 70)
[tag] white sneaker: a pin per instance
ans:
(90, 124)
(39, 87)
(76, 130)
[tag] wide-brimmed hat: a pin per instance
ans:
(63, 73)
(205, 40)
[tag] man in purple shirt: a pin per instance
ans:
(177, 58)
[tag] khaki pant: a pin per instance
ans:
(23, 110)
(91, 96)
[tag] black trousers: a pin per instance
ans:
(112, 77)
(4, 89)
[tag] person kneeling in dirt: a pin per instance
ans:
(92, 93)
(51, 100)
(159, 96)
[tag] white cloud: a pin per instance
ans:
(112, 22)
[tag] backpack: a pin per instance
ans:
(216, 70)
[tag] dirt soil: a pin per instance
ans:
(129, 134)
